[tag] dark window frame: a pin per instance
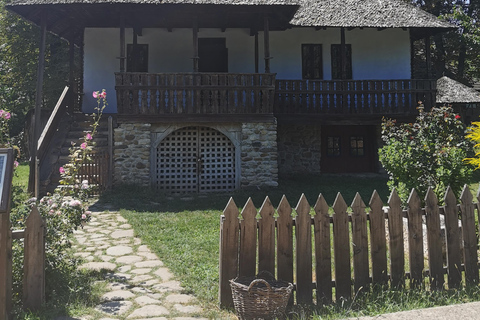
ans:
(139, 52)
(336, 58)
(356, 150)
(334, 149)
(312, 61)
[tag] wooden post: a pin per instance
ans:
(266, 43)
(34, 262)
(256, 51)
(32, 184)
(427, 57)
(71, 76)
(6, 239)
(122, 44)
(343, 54)
(195, 45)
(110, 153)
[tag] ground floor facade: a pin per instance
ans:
(213, 157)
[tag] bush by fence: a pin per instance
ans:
(275, 241)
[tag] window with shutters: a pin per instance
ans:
(312, 64)
(337, 61)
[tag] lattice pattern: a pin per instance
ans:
(218, 161)
(194, 159)
(177, 161)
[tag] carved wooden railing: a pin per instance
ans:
(352, 97)
(194, 93)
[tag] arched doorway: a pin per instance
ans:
(195, 159)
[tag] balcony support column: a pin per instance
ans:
(266, 43)
(195, 45)
(33, 181)
(427, 57)
(256, 51)
(122, 44)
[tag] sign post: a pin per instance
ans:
(6, 175)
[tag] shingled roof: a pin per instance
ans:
(69, 16)
(364, 13)
(450, 91)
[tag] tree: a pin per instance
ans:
(455, 53)
(19, 46)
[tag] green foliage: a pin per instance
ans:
(427, 153)
(474, 135)
(19, 51)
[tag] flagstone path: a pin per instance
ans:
(139, 285)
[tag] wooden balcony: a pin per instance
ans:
(256, 96)
(194, 95)
(348, 99)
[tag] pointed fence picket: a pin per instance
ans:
(358, 238)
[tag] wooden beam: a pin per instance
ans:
(123, 56)
(256, 52)
(195, 45)
(427, 57)
(266, 43)
(343, 53)
(34, 184)
(138, 31)
(71, 75)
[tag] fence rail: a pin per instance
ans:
(352, 97)
(194, 93)
(357, 239)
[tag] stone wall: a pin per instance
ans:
(132, 154)
(259, 155)
(299, 149)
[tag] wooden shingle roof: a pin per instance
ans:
(450, 91)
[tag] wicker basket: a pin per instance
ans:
(257, 298)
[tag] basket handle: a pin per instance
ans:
(256, 281)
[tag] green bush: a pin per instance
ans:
(426, 153)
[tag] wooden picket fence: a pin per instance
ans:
(275, 241)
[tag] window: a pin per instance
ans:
(357, 146)
(333, 146)
(137, 58)
(337, 61)
(312, 66)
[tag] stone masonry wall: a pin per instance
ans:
(299, 149)
(132, 154)
(259, 155)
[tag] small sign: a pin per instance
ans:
(6, 175)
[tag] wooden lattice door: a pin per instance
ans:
(195, 159)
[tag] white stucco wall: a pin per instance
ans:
(375, 54)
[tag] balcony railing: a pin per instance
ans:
(194, 93)
(352, 97)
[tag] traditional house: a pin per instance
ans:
(464, 100)
(213, 95)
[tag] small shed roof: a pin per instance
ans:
(450, 91)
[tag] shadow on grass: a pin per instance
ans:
(146, 199)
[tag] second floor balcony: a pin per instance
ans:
(229, 95)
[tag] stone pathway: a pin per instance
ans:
(139, 285)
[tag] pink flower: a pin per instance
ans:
(95, 94)
(1, 113)
(84, 217)
(88, 136)
(62, 170)
(457, 116)
(6, 115)
(83, 146)
(15, 163)
(75, 203)
(88, 213)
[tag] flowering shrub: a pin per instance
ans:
(63, 211)
(427, 153)
(5, 140)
